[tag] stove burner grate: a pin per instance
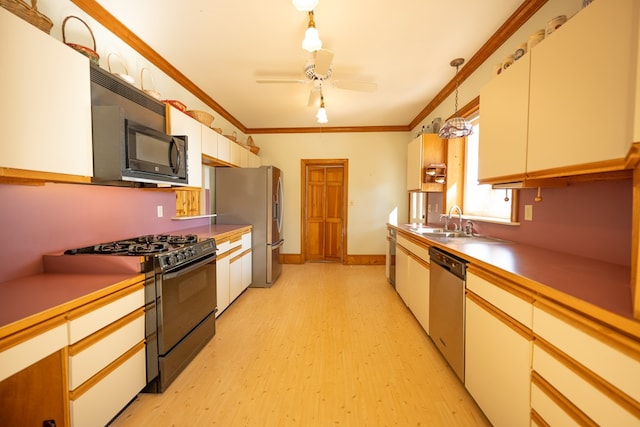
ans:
(148, 248)
(113, 248)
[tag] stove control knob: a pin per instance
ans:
(180, 256)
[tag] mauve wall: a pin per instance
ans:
(591, 219)
(36, 220)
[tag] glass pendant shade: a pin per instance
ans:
(305, 5)
(311, 40)
(322, 115)
(455, 127)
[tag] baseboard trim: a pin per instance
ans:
(350, 259)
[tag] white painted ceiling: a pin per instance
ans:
(404, 46)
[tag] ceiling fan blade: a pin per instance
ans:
(282, 81)
(314, 98)
(360, 86)
(323, 62)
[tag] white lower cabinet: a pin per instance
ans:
(235, 277)
(419, 290)
(498, 352)
(110, 394)
(412, 278)
(222, 282)
(247, 269)
(402, 273)
(234, 268)
(107, 364)
(583, 371)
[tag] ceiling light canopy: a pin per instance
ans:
(456, 127)
(322, 112)
(305, 5)
(311, 40)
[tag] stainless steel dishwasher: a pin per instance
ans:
(446, 307)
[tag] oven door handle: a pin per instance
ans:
(175, 273)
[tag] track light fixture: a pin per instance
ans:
(311, 40)
(322, 112)
(305, 5)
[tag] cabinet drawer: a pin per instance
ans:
(548, 409)
(100, 403)
(618, 365)
(222, 246)
(588, 396)
(94, 316)
(418, 250)
(511, 304)
(35, 344)
(97, 351)
(246, 241)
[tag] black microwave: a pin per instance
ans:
(128, 152)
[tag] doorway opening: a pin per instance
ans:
(324, 213)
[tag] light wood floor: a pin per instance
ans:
(327, 345)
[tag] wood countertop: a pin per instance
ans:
(599, 290)
(68, 283)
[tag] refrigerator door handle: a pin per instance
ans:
(277, 244)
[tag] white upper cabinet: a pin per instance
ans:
(45, 102)
(178, 123)
(209, 142)
(582, 81)
(568, 106)
(504, 117)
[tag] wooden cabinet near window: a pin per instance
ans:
(426, 153)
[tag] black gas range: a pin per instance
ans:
(163, 251)
(180, 297)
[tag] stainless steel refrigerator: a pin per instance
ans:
(254, 196)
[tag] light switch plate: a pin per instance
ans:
(160, 211)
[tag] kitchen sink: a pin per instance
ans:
(439, 232)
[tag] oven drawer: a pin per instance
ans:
(96, 315)
(97, 351)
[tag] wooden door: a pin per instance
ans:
(324, 213)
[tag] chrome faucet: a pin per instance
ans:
(459, 225)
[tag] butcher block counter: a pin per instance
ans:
(597, 289)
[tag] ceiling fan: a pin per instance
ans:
(317, 72)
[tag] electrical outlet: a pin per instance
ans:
(436, 208)
(528, 212)
(160, 211)
(429, 208)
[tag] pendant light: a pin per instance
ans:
(311, 40)
(305, 5)
(455, 127)
(322, 112)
